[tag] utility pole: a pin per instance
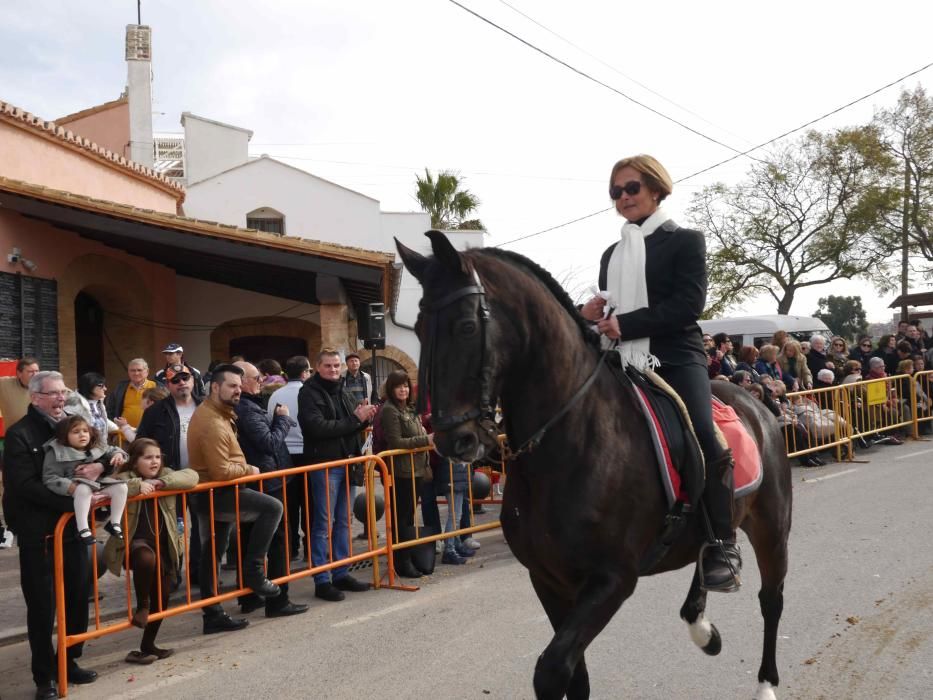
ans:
(905, 228)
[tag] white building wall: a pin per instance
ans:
(316, 209)
(207, 305)
(313, 208)
(212, 147)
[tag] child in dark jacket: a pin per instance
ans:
(76, 443)
(145, 474)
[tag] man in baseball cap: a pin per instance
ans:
(174, 355)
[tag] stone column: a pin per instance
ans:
(334, 327)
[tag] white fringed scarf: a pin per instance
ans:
(625, 279)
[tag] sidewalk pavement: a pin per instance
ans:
(113, 588)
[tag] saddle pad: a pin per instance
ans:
(748, 472)
(671, 444)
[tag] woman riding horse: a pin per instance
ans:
(656, 279)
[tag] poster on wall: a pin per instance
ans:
(29, 318)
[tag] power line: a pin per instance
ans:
(761, 145)
(809, 123)
(616, 70)
(566, 223)
(589, 77)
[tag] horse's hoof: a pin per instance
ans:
(714, 646)
(705, 635)
(765, 691)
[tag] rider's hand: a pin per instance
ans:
(593, 310)
(609, 327)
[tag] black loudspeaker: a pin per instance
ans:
(373, 329)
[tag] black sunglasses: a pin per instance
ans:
(630, 188)
(179, 378)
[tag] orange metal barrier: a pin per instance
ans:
(372, 552)
(390, 457)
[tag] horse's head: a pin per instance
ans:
(456, 367)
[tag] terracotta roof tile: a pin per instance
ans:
(20, 117)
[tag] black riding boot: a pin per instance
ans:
(720, 561)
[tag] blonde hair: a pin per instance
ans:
(768, 353)
(905, 367)
(655, 175)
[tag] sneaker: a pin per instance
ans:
(7, 540)
(452, 558)
(471, 542)
(465, 552)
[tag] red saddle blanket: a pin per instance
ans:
(748, 472)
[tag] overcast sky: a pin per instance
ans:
(368, 93)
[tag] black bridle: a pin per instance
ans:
(485, 413)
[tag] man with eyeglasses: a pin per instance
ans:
(262, 438)
(33, 511)
(166, 422)
(125, 404)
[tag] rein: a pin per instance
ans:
(485, 413)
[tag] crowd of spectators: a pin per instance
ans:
(180, 429)
(788, 366)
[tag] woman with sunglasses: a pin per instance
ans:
(862, 352)
(654, 290)
(88, 401)
(838, 354)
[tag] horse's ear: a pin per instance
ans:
(445, 252)
(415, 262)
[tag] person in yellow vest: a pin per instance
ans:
(126, 401)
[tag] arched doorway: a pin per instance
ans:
(383, 367)
(260, 347)
(259, 337)
(109, 302)
(89, 334)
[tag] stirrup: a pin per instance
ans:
(734, 582)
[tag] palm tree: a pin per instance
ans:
(447, 204)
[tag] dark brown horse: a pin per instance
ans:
(583, 507)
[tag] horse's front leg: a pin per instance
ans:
(703, 632)
(557, 606)
(598, 599)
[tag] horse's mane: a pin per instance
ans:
(553, 286)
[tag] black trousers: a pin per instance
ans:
(36, 570)
(264, 511)
(692, 384)
(295, 489)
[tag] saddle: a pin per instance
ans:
(679, 457)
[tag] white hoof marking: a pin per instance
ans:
(701, 631)
(765, 692)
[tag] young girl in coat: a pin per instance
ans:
(77, 443)
(144, 474)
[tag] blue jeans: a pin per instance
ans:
(454, 509)
(330, 484)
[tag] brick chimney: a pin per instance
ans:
(139, 91)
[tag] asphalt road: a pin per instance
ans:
(858, 621)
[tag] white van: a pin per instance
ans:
(758, 330)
